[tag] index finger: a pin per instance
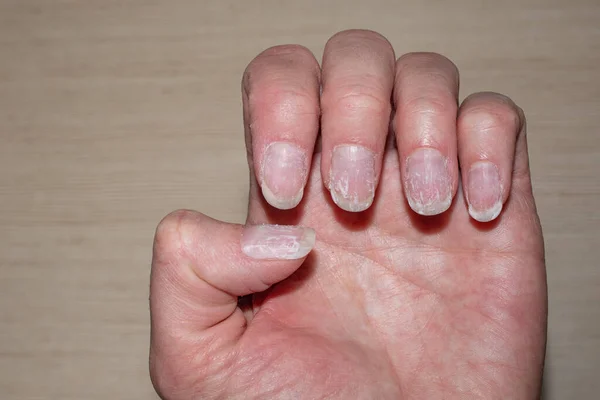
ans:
(281, 115)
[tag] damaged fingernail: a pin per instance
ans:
(284, 173)
(428, 183)
(281, 242)
(352, 177)
(484, 191)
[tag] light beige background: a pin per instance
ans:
(113, 113)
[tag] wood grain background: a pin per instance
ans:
(114, 112)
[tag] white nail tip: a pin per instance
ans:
(432, 208)
(277, 202)
(351, 205)
(486, 215)
(277, 242)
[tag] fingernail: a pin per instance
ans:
(484, 191)
(428, 183)
(280, 242)
(352, 177)
(284, 173)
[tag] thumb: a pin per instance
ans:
(199, 268)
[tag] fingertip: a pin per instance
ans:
(175, 232)
(310, 238)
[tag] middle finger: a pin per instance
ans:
(357, 77)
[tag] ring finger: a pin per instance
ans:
(425, 97)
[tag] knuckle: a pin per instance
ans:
(440, 70)
(284, 100)
(361, 35)
(426, 105)
(491, 97)
(175, 232)
(286, 50)
(288, 108)
(483, 119)
(356, 98)
(487, 111)
(276, 58)
(274, 87)
(426, 59)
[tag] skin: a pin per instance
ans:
(389, 304)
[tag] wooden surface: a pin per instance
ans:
(113, 113)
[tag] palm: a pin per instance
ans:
(394, 305)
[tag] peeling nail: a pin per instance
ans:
(352, 177)
(428, 184)
(484, 191)
(277, 242)
(284, 173)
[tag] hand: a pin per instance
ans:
(426, 279)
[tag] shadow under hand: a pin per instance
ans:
(286, 217)
(483, 226)
(293, 283)
(353, 221)
(429, 224)
(432, 224)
